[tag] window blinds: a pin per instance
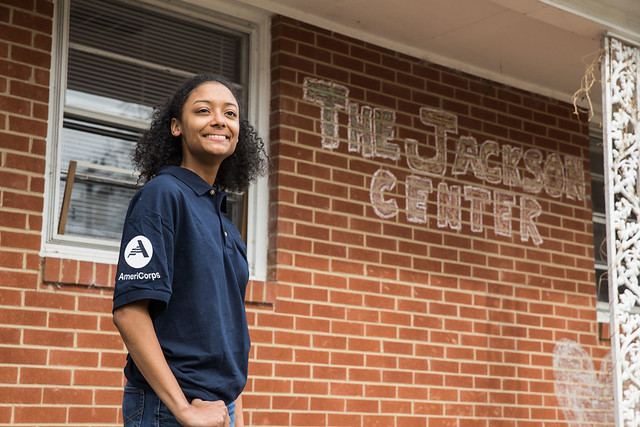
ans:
(138, 55)
(124, 59)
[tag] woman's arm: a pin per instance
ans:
(239, 414)
(136, 328)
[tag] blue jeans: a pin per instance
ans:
(143, 408)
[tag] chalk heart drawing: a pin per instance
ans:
(586, 396)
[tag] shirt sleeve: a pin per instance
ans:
(145, 264)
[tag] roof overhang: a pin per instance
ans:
(543, 46)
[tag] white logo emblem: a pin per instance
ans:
(138, 252)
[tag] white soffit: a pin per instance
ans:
(536, 45)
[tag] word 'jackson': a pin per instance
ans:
(371, 133)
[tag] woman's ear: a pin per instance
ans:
(175, 127)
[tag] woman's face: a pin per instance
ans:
(209, 126)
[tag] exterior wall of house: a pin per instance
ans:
(430, 260)
(432, 237)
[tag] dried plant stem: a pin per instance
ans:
(588, 80)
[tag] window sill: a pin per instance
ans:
(65, 272)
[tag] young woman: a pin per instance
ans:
(182, 271)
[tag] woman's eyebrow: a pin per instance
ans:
(232, 104)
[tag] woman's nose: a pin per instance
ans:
(217, 119)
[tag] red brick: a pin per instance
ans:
(48, 337)
(92, 415)
(69, 271)
(17, 395)
(24, 317)
(8, 375)
(75, 321)
(73, 358)
(10, 260)
(22, 201)
(97, 377)
(44, 376)
(30, 56)
(50, 299)
(23, 356)
(102, 275)
(67, 396)
(109, 397)
(99, 340)
(14, 180)
(40, 415)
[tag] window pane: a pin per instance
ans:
(236, 212)
(96, 209)
(599, 242)
(124, 59)
(597, 196)
(95, 143)
(100, 196)
(122, 81)
(596, 157)
(602, 284)
(113, 107)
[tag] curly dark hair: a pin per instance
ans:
(157, 147)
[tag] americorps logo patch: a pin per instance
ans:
(138, 252)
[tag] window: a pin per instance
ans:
(113, 62)
(599, 220)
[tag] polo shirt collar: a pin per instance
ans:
(191, 179)
(195, 182)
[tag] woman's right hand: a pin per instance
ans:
(206, 414)
(135, 325)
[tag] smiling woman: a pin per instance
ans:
(183, 320)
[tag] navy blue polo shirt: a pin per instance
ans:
(180, 252)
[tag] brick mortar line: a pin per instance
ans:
(526, 96)
(17, 270)
(22, 98)
(562, 304)
(44, 287)
(25, 154)
(21, 230)
(444, 233)
(413, 355)
(460, 129)
(400, 210)
(470, 180)
(46, 327)
(516, 286)
(400, 385)
(483, 320)
(439, 246)
(461, 132)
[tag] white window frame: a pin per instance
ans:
(252, 21)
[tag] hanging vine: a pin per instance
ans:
(589, 79)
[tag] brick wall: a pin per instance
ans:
(376, 312)
(452, 308)
(60, 356)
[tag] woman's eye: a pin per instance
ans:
(232, 114)
(202, 110)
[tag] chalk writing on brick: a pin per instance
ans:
(372, 134)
